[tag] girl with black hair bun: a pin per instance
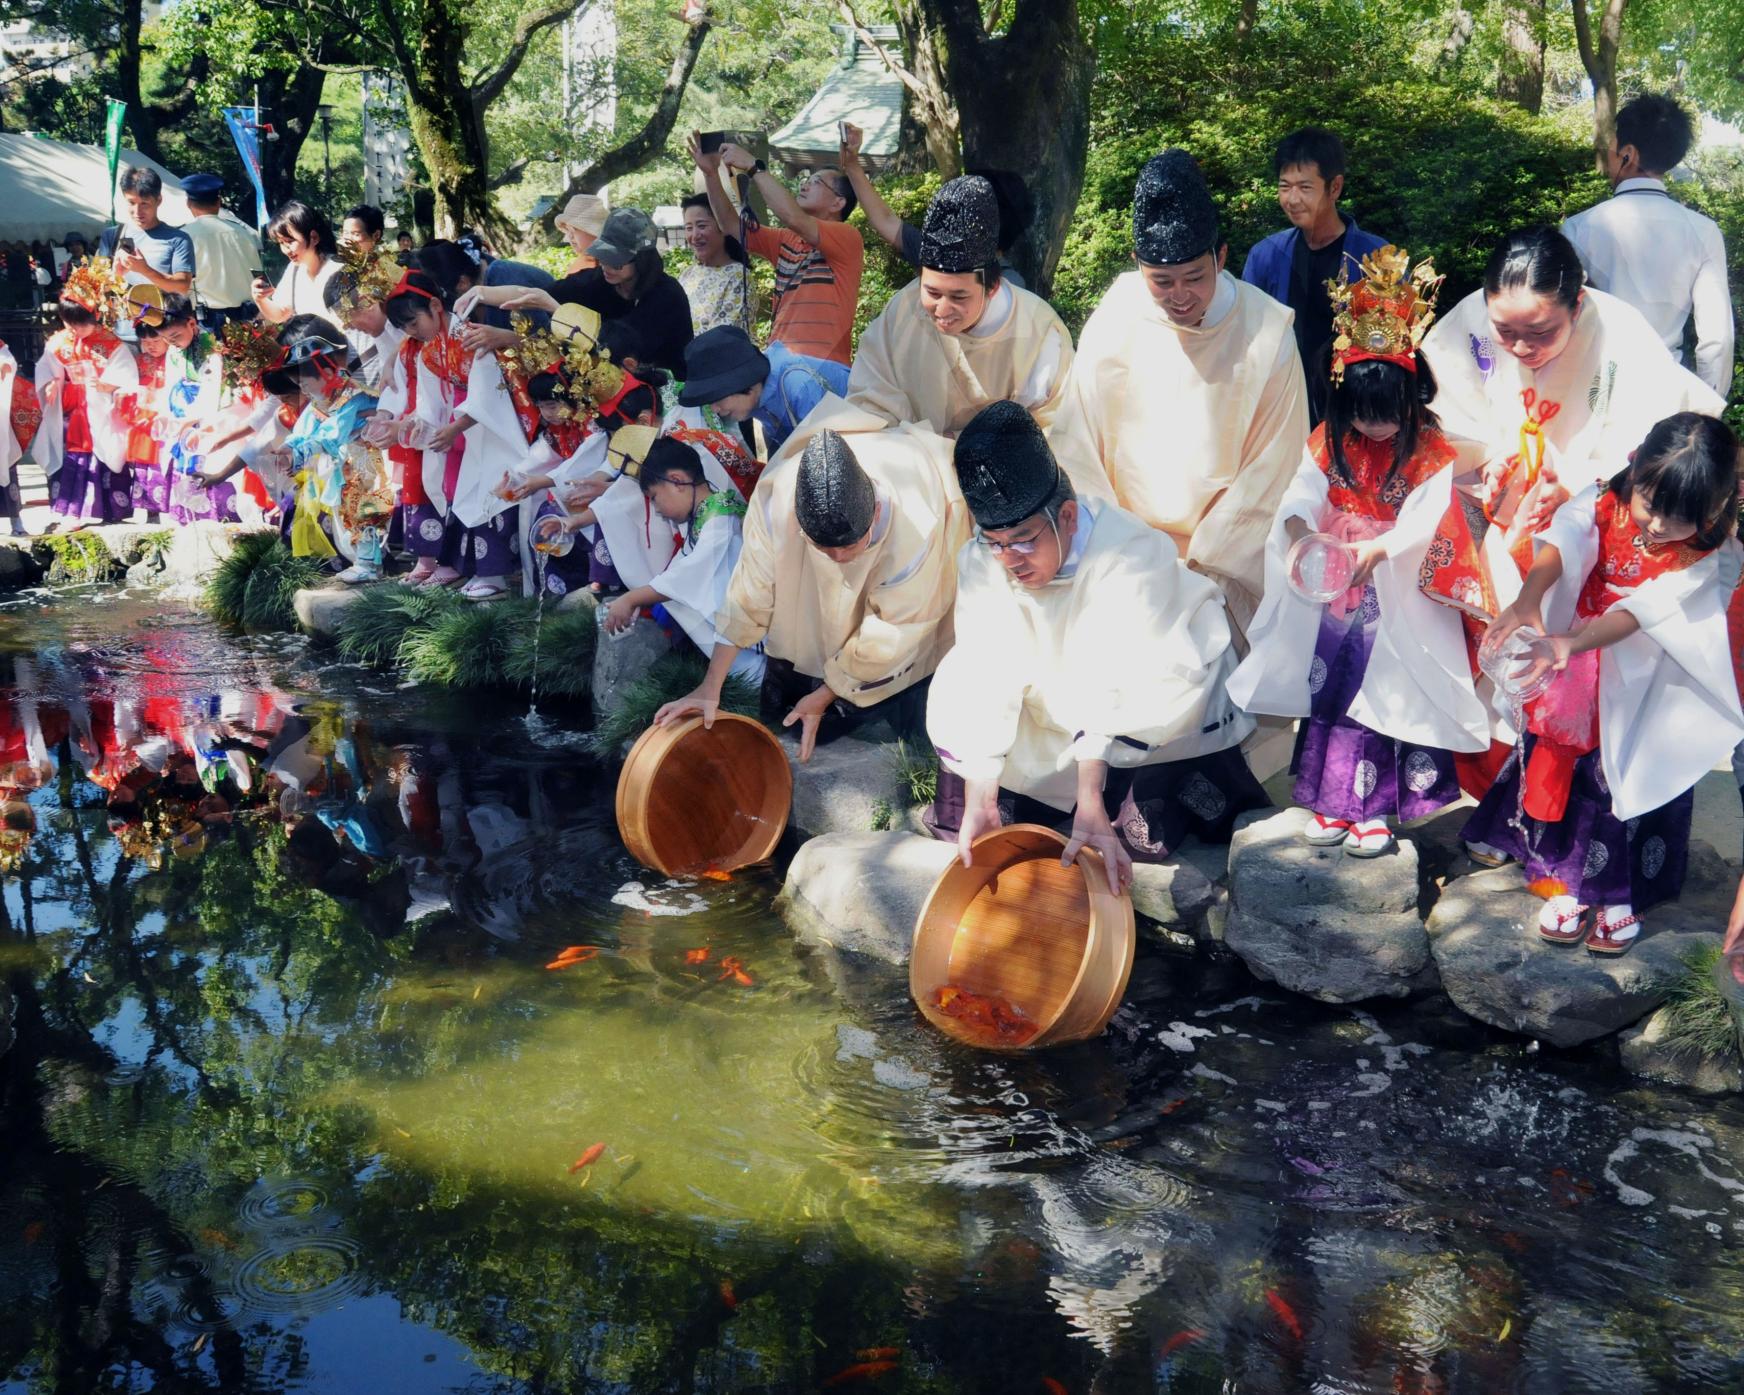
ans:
(83, 373)
(1379, 672)
(1597, 805)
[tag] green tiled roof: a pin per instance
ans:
(860, 89)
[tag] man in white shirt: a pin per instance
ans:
(226, 254)
(1645, 247)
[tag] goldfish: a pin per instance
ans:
(991, 1017)
(860, 1370)
(575, 954)
(33, 1232)
(587, 1158)
(728, 1297)
(1286, 1314)
(1052, 1386)
(697, 956)
(878, 1354)
(218, 1238)
(1184, 1338)
(732, 967)
(714, 874)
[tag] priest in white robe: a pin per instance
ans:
(1088, 676)
(960, 336)
(1187, 404)
(845, 576)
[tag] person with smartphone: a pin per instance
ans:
(818, 258)
(146, 250)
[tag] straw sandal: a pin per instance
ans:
(1486, 856)
(1370, 838)
(1562, 921)
(1614, 935)
(1323, 832)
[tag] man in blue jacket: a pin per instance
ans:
(1293, 266)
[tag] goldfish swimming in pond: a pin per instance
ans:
(878, 1354)
(1186, 1337)
(218, 1238)
(1286, 1314)
(590, 1156)
(1052, 1386)
(734, 968)
(728, 1297)
(986, 1016)
(860, 1370)
(697, 956)
(575, 954)
(714, 874)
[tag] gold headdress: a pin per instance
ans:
(94, 284)
(248, 349)
(1386, 314)
(571, 349)
(366, 278)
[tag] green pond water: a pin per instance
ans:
(290, 1101)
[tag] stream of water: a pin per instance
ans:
(295, 1080)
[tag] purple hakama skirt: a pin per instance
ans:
(88, 490)
(151, 486)
(1343, 769)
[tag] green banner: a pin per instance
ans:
(112, 146)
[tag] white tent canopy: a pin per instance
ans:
(49, 188)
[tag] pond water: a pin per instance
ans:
(295, 1086)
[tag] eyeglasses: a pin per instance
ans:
(835, 189)
(1024, 547)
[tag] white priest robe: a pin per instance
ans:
(1418, 684)
(1594, 402)
(906, 369)
(1123, 657)
(1668, 700)
(1196, 430)
(880, 623)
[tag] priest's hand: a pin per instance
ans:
(443, 438)
(701, 702)
(1091, 829)
(525, 298)
(1369, 554)
(378, 430)
(980, 815)
(809, 713)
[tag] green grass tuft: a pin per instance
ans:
(565, 642)
(252, 588)
(468, 647)
(917, 767)
(1699, 1019)
(672, 676)
(372, 629)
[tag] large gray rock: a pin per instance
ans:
(1645, 1051)
(1185, 893)
(618, 661)
(861, 893)
(319, 607)
(1484, 936)
(18, 569)
(1314, 921)
(194, 553)
(848, 786)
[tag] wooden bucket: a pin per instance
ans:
(1055, 943)
(694, 799)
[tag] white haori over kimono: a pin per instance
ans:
(1668, 699)
(907, 369)
(11, 448)
(109, 428)
(435, 407)
(494, 442)
(1123, 657)
(1418, 686)
(1197, 430)
(880, 623)
(1591, 405)
(695, 580)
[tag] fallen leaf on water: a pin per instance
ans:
(200, 1344)
(218, 1238)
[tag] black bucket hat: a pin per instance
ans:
(718, 363)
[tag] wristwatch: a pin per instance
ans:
(758, 168)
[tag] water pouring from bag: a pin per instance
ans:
(1513, 664)
(1320, 567)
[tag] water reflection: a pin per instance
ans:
(316, 994)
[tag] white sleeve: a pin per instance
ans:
(1712, 309)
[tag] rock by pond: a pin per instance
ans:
(1314, 921)
(1645, 1051)
(848, 786)
(1483, 934)
(861, 893)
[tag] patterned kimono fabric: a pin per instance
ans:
(151, 480)
(182, 398)
(1560, 826)
(421, 521)
(24, 418)
(559, 574)
(1343, 769)
(86, 488)
(463, 548)
(493, 548)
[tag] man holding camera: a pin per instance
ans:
(144, 248)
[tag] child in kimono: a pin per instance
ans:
(20, 416)
(83, 444)
(143, 410)
(1380, 673)
(693, 586)
(1596, 802)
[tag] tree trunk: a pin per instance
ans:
(140, 120)
(1598, 53)
(1246, 19)
(1023, 101)
(1520, 78)
(930, 98)
(288, 100)
(448, 131)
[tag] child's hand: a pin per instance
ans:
(1518, 616)
(620, 615)
(1369, 554)
(443, 438)
(1548, 656)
